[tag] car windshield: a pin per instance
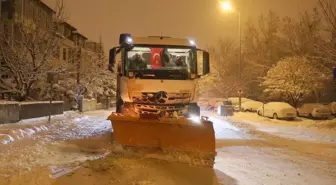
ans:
(161, 62)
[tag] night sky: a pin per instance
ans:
(201, 20)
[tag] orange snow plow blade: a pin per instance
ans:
(168, 134)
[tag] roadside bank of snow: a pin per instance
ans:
(265, 166)
(299, 129)
(12, 132)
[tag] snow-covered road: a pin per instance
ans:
(72, 149)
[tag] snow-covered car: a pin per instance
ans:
(251, 106)
(235, 100)
(277, 110)
(333, 108)
(314, 110)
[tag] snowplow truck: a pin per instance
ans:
(156, 102)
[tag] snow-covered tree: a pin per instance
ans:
(28, 52)
(95, 75)
(293, 79)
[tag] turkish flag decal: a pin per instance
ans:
(156, 57)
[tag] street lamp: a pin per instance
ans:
(226, 6)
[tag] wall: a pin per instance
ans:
(40, 109)
(9, 112)
(89, 105)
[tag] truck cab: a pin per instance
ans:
(158, 75)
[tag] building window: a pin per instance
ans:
(64, 54)
(45, 20)
(71, 58)
(6, 29)
(37, 14)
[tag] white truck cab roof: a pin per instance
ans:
(163, 41)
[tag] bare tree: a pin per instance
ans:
(223, 80)
(28, 52)
(261, 43)
(326, 48)
(328, 9)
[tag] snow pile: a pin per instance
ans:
(328, 124)
(191, 158)
(299, 129)
(4, 102)
(6, 139)
(9, 136)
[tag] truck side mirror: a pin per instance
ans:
(203, 66)
(112, 58)
(206, 63)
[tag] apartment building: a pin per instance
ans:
(27, 12)
(73, 45)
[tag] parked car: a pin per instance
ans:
(235, 102)
(251, 106)
(333, 108)
(203, 104)
(277, 110)
(314, 110)
(226, 109)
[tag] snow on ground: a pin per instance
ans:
(225, 130)
(11, 132)
(78, 150)
(255, 166)
(301, 128)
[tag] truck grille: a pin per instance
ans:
(160, 97)
(156, 109)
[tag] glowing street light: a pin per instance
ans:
(226, 6)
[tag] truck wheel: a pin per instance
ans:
(194, 110)
(275, 116)
(310, 116)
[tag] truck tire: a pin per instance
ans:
(194, 110)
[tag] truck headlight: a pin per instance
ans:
(195, 119)
(192, 42)
(129, 40)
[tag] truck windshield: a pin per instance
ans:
(161, 62)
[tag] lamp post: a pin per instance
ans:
(226, 6)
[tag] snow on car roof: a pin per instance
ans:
(315, 104)
(252, 102)
(280, 104)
